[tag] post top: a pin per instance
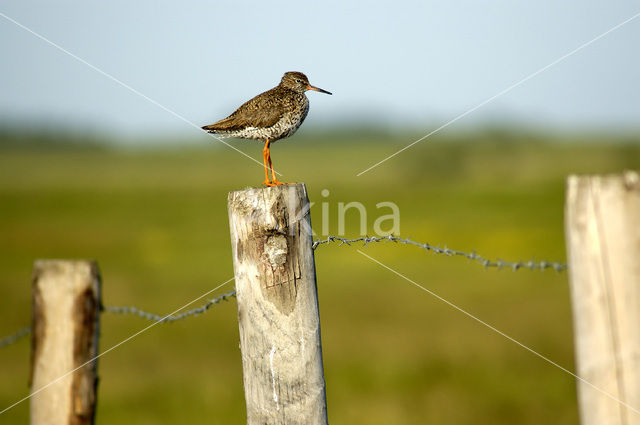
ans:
(271, 189)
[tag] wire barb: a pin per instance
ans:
(15, 337)
(500, 264)
(167, 319)
(365, 240)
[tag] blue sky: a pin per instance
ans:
(413, 63)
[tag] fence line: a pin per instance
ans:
(133, 311)
(365, 240)
(15, 337)
(167, 319)
(514, 265)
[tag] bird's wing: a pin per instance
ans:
(263, 110)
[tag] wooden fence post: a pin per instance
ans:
(277, 305)
(65, 323)
(603, 242)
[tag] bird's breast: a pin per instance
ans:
(291, 120)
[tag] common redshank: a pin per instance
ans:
(270, 116)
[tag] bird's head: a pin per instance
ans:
(299, 82)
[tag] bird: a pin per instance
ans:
(270, 116)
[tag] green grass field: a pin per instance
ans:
(156, 221)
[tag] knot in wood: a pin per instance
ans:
(631, 180)
(276, 250)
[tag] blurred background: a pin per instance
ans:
(92, 169)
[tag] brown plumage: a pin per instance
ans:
(270, 116)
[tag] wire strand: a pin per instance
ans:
(15, 337)
(135, 311)
(365, 240)
(513, 265)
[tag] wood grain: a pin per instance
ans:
(277, 305)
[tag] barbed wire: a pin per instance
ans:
(365, 240)
(514, 265)
(15, 337)
(134, 311)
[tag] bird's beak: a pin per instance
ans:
(310, 87)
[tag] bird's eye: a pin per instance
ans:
(298, 80)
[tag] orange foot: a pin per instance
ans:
(273, 183)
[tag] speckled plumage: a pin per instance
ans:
(270, 116)
(274, 114)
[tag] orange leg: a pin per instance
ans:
(267, 161)
(274, 180)
(266, 155)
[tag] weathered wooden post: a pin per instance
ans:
(65, 323)
(603, 241)
(277, 305)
